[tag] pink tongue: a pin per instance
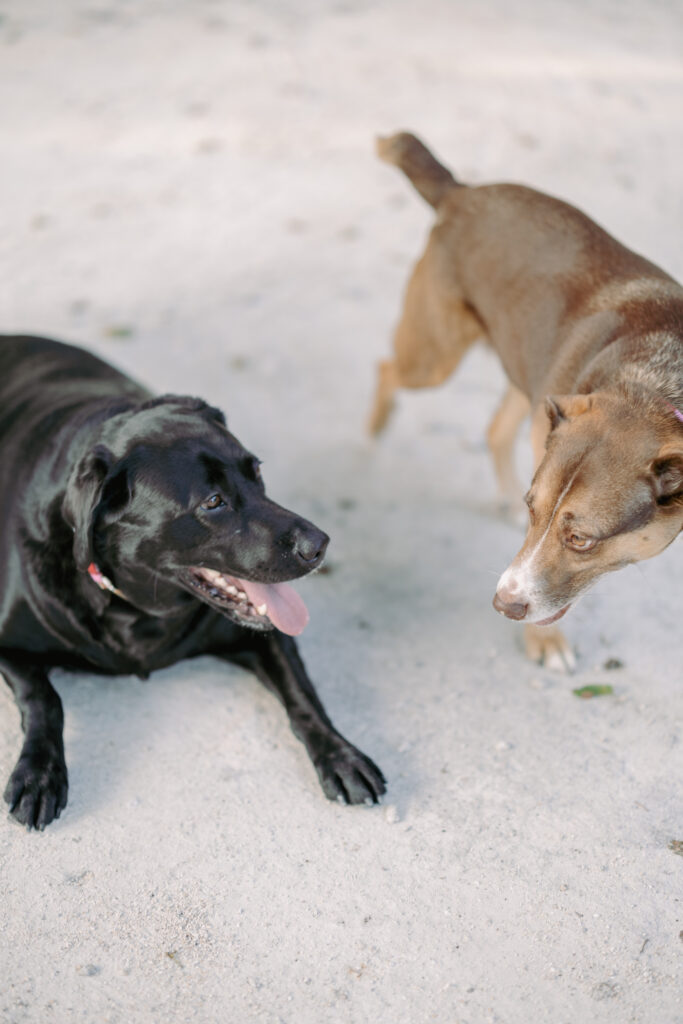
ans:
(286, 610)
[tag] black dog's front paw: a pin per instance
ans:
(348, 775)
(37, 788)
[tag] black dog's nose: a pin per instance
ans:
(309, 544)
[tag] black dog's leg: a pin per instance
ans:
(344, 772)
(37, 788)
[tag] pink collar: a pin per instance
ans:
(677, 412)
(102, 581)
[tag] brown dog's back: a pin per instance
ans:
(538, 273)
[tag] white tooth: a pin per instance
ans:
(241, 594)
(262, 609)
(231, 589)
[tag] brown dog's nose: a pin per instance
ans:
(512, 609)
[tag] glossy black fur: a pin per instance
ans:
(94, 469)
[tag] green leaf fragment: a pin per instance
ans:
(593, 690)
(119, 331)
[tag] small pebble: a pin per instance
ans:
(391, 814)
(88, 970)
(613, 663)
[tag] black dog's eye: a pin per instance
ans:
(215, 501)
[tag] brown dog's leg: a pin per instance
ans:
(501, 437)
(435, 330)
(384, 396)
(549, 647)
(546, 644)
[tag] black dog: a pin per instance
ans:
(134, 532)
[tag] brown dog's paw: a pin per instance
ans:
(548, 646)
(349, 776)
(37, 788)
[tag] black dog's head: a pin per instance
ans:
(169, 498)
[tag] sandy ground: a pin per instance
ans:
(190, 190)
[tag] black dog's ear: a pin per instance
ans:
(187, 404)
(83, 494)
(199, 405)
(216, 415)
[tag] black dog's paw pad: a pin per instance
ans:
(350, 777)
(37, 791)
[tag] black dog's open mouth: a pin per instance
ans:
(259, 605)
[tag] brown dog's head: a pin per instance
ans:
(608, 492)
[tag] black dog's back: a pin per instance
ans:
(41, 381)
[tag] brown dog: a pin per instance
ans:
(574, 315)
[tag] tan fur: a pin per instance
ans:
(501, 436)
(572, 313)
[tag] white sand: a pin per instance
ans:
(190, 189)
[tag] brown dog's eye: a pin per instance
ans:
(215, 501)
(579, 543)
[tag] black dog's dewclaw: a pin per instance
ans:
(136, 532)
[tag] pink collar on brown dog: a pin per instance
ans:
(677, 412)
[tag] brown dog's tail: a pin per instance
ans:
(431, 179)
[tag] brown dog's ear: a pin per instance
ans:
(668, 474)
(566, 407)
(554, 411)
(82, 496)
